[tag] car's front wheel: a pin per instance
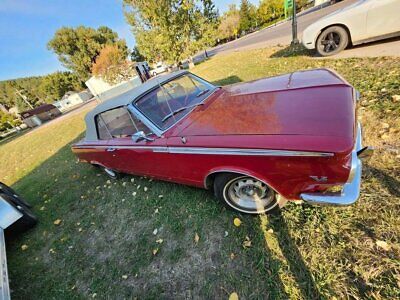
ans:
(245, 194)
(332, 40)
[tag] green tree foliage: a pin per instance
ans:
(248, 14)
(136, 56)
(7, 121)
(54, 86)
(229, 24)
(11, 91)
(77, 48)
(270, 10)
(171, 30)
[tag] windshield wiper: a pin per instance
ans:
(179, 110)
(202, 92)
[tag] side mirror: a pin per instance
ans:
(139, 136)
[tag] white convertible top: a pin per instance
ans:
(123, 100)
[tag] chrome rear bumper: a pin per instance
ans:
(351, 190)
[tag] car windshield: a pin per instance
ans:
(170, 102)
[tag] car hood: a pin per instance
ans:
(314, 103)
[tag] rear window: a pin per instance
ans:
(117, 123)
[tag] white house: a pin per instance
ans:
(104, 91)
(71, 99)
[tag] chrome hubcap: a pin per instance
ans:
(248, 194)
(110, 172)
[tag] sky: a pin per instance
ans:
(27, 25)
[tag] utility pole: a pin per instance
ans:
(23, 98)
(295, 40)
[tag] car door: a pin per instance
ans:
(141, 157)
(383, 18)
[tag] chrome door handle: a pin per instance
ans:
(111, 149)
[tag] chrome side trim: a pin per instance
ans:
(218, 151)
(246, 152)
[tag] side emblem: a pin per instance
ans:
(320, 178)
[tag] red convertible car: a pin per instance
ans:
(256, 144)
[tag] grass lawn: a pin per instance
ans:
(137, 238)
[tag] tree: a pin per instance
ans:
(270, 10)
(77, 48)
(136, 55)
(245, 16)
(230, 24)
(171, 30)
(7, 121)
(55, 85)
(111, 64)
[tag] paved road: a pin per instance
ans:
(280, 34)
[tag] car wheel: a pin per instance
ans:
(5, 189)
(245, 194)
(28, 219)
(332, 40)
(111, 173)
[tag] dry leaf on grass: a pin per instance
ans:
(155, 231)
(382, 244)
(234, 296)
(159, 241)
(24, 247)
(124, 276)
(57, 222)
(232, 255)
(246, 242)
(196, 238)
(155, 251)
(237, 222)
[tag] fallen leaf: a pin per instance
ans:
(232, 255)
(226, 233)
(145, 189)
(52, 250)
(138, 187)
(237, 222)
(196, 238)
(155, 231)
(57, 222)
(159, 241)
(270, 230)
(382, 244)
(132, 179)
(124, 184)
(155, 251)
(134, 194)
(156, 211)
(108, 182)
(24, 247)
(233, 296)
(246, 242)
(124, 276)
(160, 196)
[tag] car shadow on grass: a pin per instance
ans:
(292, 51)
(389, 182)
(290, 253)
(227, 80)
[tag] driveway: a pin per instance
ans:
(281, 34)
